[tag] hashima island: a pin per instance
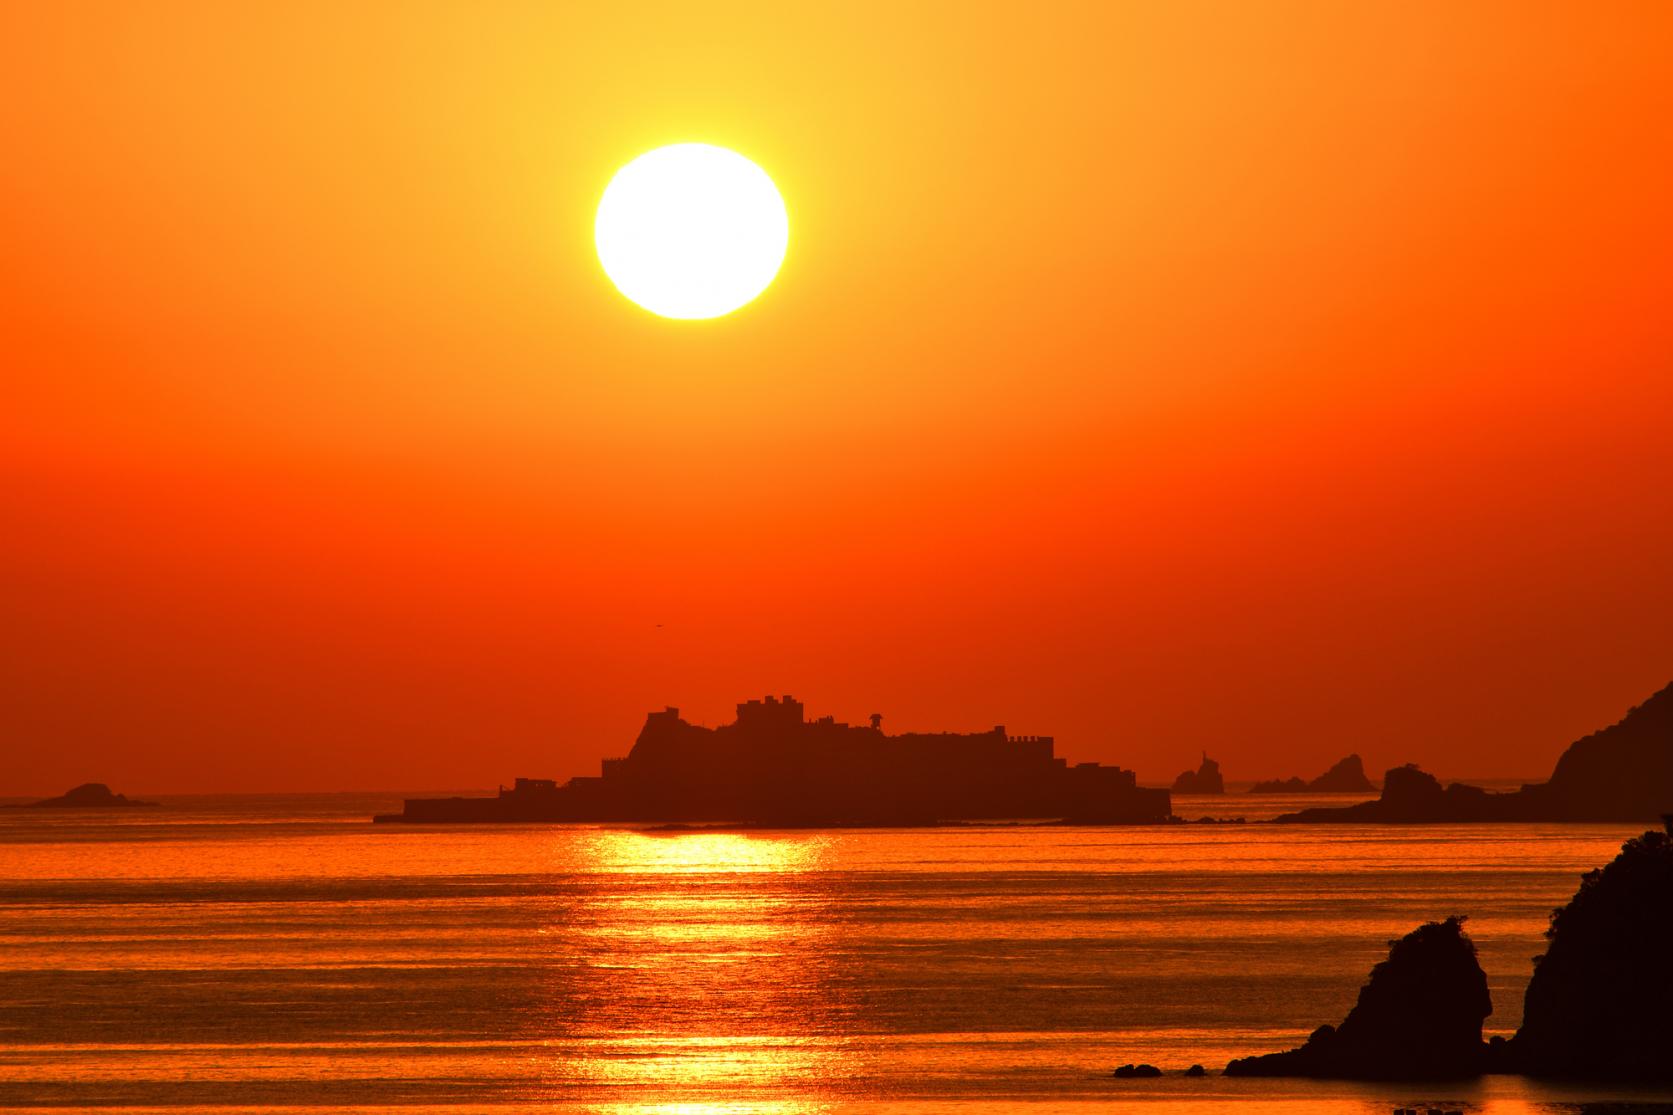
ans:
(773, 766)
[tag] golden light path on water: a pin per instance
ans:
(684, 939)
(235, 955)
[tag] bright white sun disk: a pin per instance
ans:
(691, 230)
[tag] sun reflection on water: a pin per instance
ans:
(704, 853)
(713, 974)
(725, 1107)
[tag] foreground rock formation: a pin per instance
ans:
(1596, 1009)
(1418, 1018)
(1204, 780)
(1346, 777)
(1600, 1004)
(1622, 773)
(89, 795)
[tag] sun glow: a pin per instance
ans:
(691, 231)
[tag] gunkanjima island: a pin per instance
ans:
(773, 766)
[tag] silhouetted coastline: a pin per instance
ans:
(1596, 1008)
(774, 768)
(1600, 1004)
(1418, 1018)
(1621, 773)
(1346, 777)
(89, 795)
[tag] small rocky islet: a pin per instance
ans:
(1621, 773)
(1346, 776)
(89, 795)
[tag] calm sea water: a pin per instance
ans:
(274, 953)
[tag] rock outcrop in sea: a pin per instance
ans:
(1204, 780)
(1346, 777)
(1418, 1018)
(1600, 1004)
(1131, 1072)
(1621, 773)
(89, 795)
(1596, 1008)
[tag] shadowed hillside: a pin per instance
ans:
(1622, 773)
(1599, 1001)
(1418, 1017)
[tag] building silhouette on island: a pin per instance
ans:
(773, 766)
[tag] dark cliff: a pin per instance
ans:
(1418, 1018)
(1204, 780)
(1621, 773)
(1598, 1005)
(1346, 777)
(1596, 1008)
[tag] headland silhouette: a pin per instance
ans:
(1622, 773)
(774, 767)
(89, 795)
(1600, 1004)
(1418, 1018)
(1346, 777)
(1595, 1009)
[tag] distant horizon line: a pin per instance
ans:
(10, 797)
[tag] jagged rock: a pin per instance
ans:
(1622, 773)
(1196, 1070)
(1204, 780)
(1598, 1003)
(1291, 785)
(1127, 1072)
(1418, 1018)
(1346, 777)
(89, 795)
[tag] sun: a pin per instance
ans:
(691, 230)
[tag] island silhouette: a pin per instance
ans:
(1346, 777)
(774, 767)
(1622, 773)
(1597, 1007)
(1204, 780)
(1600, 1004)
(89, 795)
(1418, 1018)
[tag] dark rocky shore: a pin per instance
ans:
(1622, 773)
(89, 795)
(1597, 1007)
(1419, 1018)
(1600, 1004)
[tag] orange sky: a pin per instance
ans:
(1279, 379)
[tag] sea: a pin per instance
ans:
(283, 954)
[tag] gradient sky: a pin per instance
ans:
(1279, 379)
